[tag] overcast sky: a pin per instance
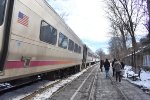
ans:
(87, 19)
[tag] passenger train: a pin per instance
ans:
(34, 40)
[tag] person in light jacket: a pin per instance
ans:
(117, 67)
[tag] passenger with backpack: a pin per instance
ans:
(117, 66)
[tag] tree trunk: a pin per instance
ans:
(123, 40)
(148, 7)
(134, 45)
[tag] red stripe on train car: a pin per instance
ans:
(20, 64)
(42, 63)
(14, 64)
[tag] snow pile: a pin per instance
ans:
(50, 91)
(144, 76)
(128, 69)
(145, 80)
(5, 85)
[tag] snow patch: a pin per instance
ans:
(50, 91)
(144, 76)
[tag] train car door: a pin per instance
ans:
(6, 7)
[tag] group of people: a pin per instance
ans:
(117, 66)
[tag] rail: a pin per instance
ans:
(117, 87)
(91, 94)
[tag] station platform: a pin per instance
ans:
(93, 85)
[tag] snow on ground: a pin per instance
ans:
(144, 76)
(45, 95)
(7, 85)
(22, 92)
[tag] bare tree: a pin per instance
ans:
(118, 30)
(64, 15)
(101, 53)
(61, 12)
(148, 7)
(116, 47)
(129, 13)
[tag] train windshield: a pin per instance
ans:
(2, 10)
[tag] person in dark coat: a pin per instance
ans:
(113, 66)
(106, 66)
(122, 65)
(101, 65)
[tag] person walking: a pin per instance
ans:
(117, 67)
(106, 66)
(122, 64)
(113, 69)
(101, 65)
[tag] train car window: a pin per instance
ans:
(79, 49)
(76, 48)
(2, 10)
(71, 45)
(63, 41)
(48, 33)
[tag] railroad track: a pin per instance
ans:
(124, 97)
(91, 88)
(76, 92)
(92, 91)
(40, 91)
(15, 87)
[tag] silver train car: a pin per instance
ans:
(35, 40)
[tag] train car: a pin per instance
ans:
(35, 40)
(96, 58)
(90, 57)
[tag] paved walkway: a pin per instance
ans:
(103, 89)
(131, 91)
